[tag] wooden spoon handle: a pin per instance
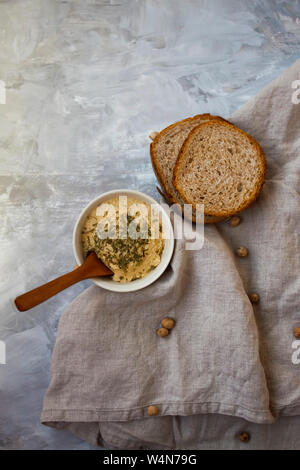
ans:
(40, 294)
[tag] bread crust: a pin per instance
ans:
(250, 200)
(152, 150)
(168, 196)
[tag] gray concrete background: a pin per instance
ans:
(86, 81)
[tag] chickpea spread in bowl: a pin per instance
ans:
(126, 235)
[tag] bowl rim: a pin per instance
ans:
(138, 284)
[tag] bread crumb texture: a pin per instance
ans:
(220, 166)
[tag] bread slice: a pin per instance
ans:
(164, 151)
(221, 167)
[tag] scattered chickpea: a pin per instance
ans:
(153, 135)
(254, 298)
(162, 332)
(297, 332)
(242, 252)
(152, 410)
(244, 437)
(235, 221)
(168, 323)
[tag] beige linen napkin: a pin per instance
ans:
(224, 355)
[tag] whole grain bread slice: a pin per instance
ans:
(164, 151)
(220, 166)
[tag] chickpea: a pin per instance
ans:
(162, 332)
(235, 221)
(297, 332)
(152, 410)
(153, 135)
(254, 298)
(244, 437)
(168, 323)
(242, 251)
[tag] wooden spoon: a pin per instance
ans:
(92, 267)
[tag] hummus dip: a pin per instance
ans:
(129, 241)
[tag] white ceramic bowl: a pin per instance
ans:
(106, 282)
